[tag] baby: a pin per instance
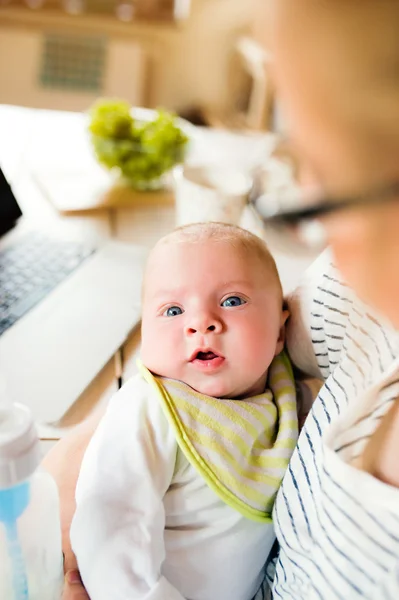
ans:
(177, 487)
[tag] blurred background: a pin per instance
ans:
(96, 189)
(205, 59)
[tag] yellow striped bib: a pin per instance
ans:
(240, 447)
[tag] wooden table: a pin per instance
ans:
(32, 141)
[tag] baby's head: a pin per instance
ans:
(213, 312)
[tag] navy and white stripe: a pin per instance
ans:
(337, 539)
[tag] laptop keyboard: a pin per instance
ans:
(30, 269)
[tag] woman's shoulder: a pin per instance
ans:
(330, 325)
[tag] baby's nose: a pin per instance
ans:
(204, 324)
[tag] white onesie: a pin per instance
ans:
(147, 524)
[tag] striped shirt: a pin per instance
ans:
(337, 527)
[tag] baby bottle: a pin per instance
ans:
(30, 534)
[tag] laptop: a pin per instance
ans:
(65, 309)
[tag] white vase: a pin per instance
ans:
(206, 193)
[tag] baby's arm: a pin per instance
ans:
(117, 533)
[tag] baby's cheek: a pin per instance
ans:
(261, 347)
(147, 356)
(151, 348)
(258, 337)
(160, 353)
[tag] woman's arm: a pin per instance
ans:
(63, 462)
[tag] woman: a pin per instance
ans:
(337, 513)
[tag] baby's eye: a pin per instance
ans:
(173, 311)
(232, 301)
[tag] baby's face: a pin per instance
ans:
(212, 318)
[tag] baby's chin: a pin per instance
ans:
(217, 387)
(213, 388)
(226, 389)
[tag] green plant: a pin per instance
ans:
(143, 151)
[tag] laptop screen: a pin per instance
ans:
(9, 209)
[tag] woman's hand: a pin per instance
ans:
(73, 589)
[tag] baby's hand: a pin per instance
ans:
(73, 589)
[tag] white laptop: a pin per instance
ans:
(65, 309)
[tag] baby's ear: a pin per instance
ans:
(281, 338)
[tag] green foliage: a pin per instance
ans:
(143, 151)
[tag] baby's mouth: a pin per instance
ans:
(205, 356)
(206, 360)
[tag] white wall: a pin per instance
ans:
(20, 55)
(186, 64)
